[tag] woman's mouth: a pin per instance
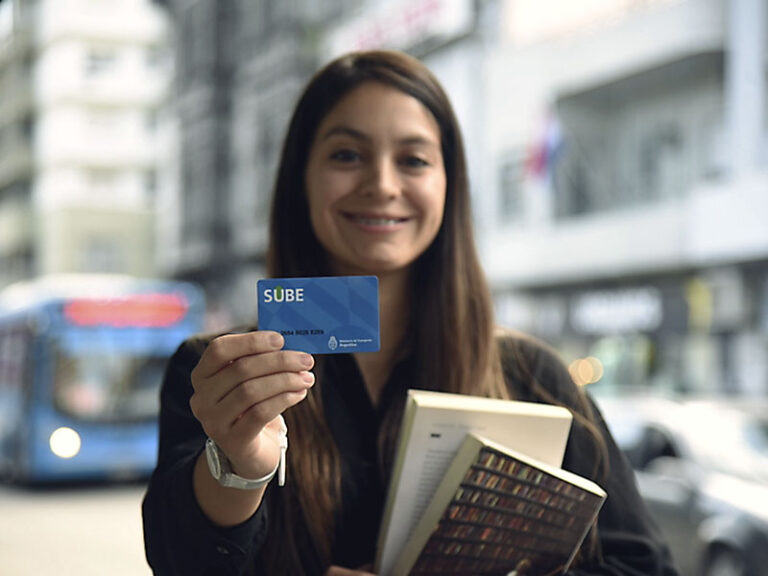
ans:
(367, 220)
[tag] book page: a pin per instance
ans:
(435, 436)
(435, 461)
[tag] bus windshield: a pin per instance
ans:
(108, 385)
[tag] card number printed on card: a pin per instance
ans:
(328, 315)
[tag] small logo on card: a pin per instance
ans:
(333, 343)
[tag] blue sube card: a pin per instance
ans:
(327, 315)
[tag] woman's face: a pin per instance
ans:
(375, 181)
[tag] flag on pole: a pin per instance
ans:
(543, 154)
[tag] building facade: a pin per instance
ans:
(627, 186)
(82, 84)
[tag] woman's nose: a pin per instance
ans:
(382, 179)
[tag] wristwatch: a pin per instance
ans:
(221, 468)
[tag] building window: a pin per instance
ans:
(99, 61)
(6, 19)
(661, 166)
(577, 181)
(103, 119)
(18, 192)
(101, 254)
(198, 218)
(269, 139)
(102, 182)
(28, 128)
(256, 17)
(155, 57)
(511, 205)
(151, 120)
(150, 185)
(197, 36)
(643, 139)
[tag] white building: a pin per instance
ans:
(641, 237)
(82, 85)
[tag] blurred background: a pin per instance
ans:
(618, 154)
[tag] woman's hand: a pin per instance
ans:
(242, 383)
(339, 571)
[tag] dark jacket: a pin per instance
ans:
(179, 539)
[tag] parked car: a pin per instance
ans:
(702, 467)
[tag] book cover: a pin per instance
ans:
(498, 511)
(434, 426)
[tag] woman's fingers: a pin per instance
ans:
(265, 364)
(254, 378)
(258, 390)
(231, 360)
(253, 420)
(223, 350)
(259, 396)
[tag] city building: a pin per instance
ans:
(82, 86)
(626, 186)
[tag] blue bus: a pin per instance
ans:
(81, 362)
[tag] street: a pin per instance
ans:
(84, 531)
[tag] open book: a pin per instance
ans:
(435, 424)
(498, 511)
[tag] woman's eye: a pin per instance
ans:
(415, 162)
(345, 156)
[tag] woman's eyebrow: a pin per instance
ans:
(415, 139)
(345, 131)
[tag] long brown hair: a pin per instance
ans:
(448, 294)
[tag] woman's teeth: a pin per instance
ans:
(378, 221)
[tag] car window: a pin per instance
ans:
(654, 443)
(756, 436)
(736, 445)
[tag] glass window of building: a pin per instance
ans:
(102, 254)
(510, 198)
(641, 139)
(102, 182)
(100, 60)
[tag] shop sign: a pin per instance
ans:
(617, 311)
(402, 24)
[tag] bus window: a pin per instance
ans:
(107, 386)
(15, 341)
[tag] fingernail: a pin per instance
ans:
(276, 340)
(307, 360)
(308, 377)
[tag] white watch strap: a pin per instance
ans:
(283, 450)
(231, 480)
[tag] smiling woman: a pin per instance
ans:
(372, 180)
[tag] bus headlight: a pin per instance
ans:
(65, 442)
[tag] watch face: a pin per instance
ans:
(212, 455)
